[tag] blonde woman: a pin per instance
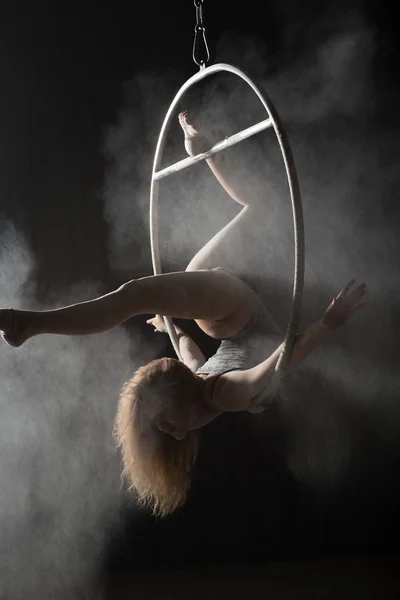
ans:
(166, 402)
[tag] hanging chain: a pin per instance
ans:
(200, 37)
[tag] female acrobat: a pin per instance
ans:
(165, 403)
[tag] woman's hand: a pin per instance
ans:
(346, 303)
(158, 323)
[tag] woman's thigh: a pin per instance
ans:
(219, 302)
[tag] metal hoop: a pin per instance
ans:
(294, 189)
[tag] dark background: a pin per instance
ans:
(65, 69)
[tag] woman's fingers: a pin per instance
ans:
(349, 301)
(357, 300)
(158, 323)
(352, 294)
(359, 292)
(346, 288)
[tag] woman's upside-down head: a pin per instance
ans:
(153, 429)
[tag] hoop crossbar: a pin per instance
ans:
(236, 138)
(294, 189)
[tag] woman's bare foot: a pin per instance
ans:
(195, 143)
(12, 327)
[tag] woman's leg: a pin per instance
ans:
(234, 236)
(213, 253)
(201, 295)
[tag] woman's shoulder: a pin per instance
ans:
(230, 392)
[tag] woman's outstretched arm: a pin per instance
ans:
(235, 390)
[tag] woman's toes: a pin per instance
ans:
(7, 318)
(15, 334)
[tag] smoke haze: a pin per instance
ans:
(60, 474)
(327, 102)
(59, 470)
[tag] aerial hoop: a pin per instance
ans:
(273, 120)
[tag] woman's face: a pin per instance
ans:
(170, 415)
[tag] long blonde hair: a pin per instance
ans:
(156, 465)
